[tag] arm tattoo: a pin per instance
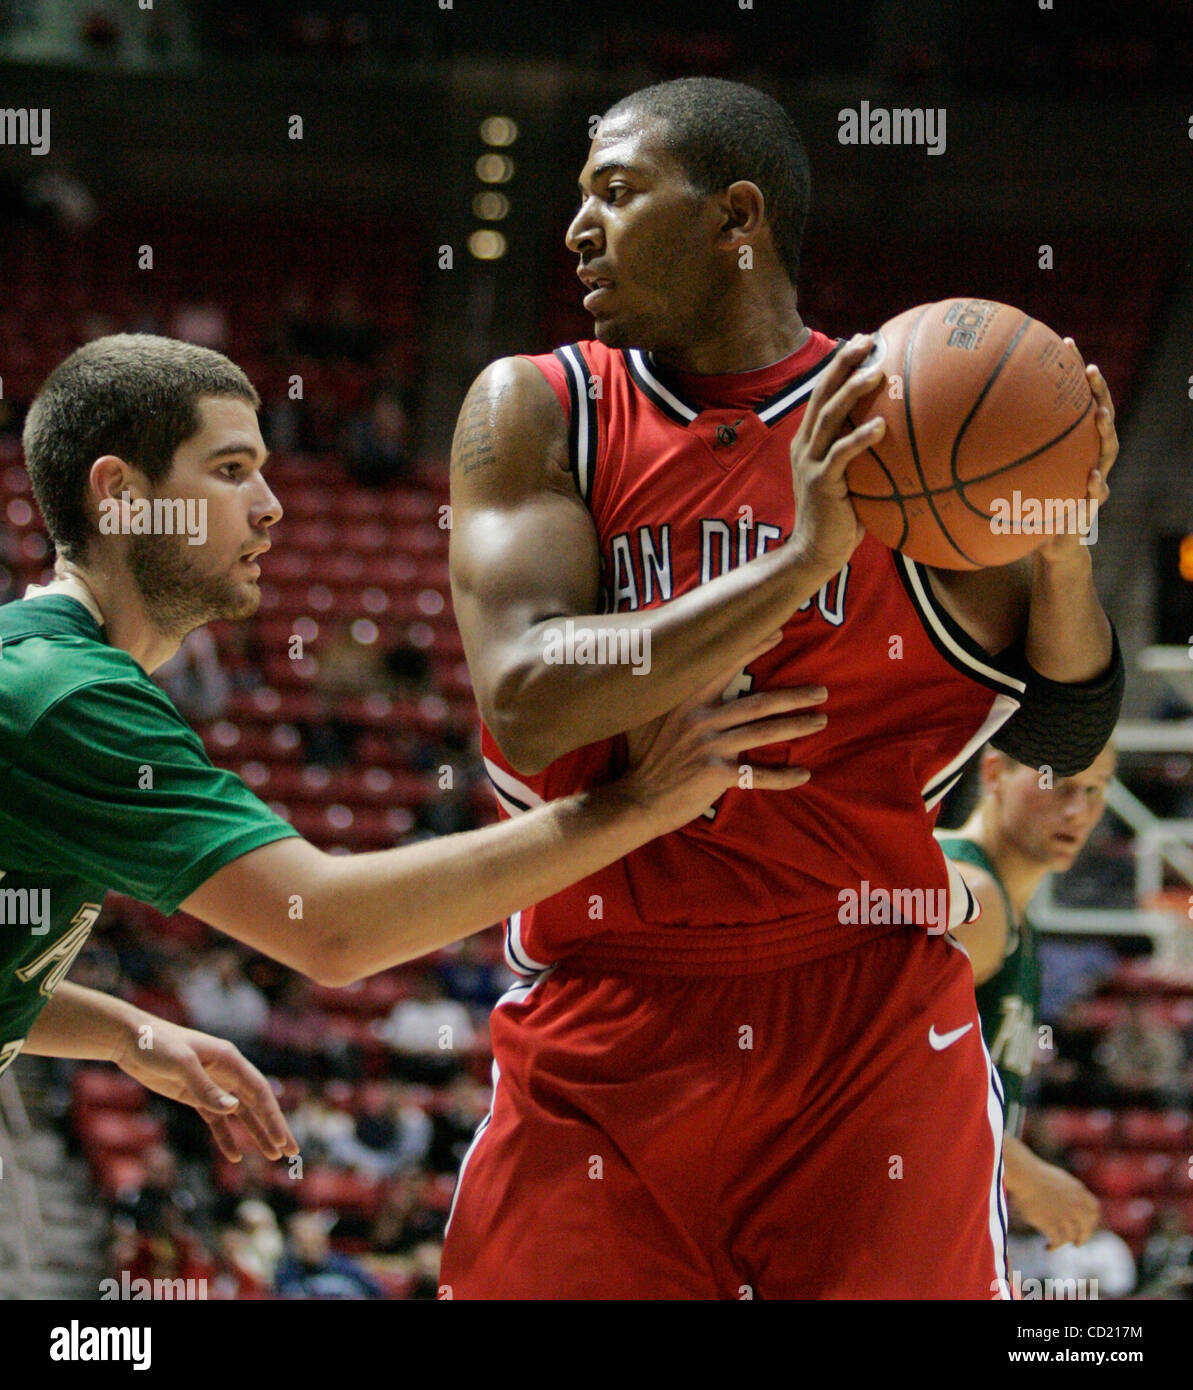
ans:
(472, 447)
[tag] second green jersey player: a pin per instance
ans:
(1025, 825)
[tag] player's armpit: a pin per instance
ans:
(991, 604)
(985, 940)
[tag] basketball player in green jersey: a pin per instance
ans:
(146, 457)
(1022, 828)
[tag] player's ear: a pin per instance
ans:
(992, 766)
(110, 476)
(744, 212)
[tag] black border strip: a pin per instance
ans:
(955, 631)
(646, 386)
(581, 417)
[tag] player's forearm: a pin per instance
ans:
(1019, 1164)
(363, 913)
(396, 905)
(653, 660)
(1068, 633)
(83, 1023)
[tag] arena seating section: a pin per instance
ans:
(1133, 1156)
(345, 551)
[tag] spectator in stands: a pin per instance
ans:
(220, 1000)
(1070, 969)
(1166, 1264)
(408, 668)
(467, 974)
(406, 1218)
(376, 444)
(463, 1105)
(194, 678)
(1143, 1059)
(345, 669)
(319, 1128)
(429, 1023)
(294, 1042)
(1104, 1257)
(233, 1280)
(160, 1196)
(311, 1269)
(452, 809)
(98, 966)
(174, 1251)
(391, 1135)
(250, 1250)
(424, 1266)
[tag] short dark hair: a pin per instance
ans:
(134, 395)
(720, 132)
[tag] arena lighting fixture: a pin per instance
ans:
(499, 131)
(490, 206)
(1186, 558)
(494, 168)
(486, 244)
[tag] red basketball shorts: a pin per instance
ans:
(831, 1130)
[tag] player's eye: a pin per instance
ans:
(232, 470)
(615, 189)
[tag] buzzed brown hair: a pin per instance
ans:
(134, 395)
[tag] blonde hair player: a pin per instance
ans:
(1024, 826)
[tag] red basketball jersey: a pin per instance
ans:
(687, 477)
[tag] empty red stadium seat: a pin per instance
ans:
(1124, 1174)
(117, 1172)
(1098, 1014)
(107, 1088)
(117, 1131)
(1154, 1129)
(343, 1193)
(1131, 1218)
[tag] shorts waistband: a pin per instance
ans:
(730, 950)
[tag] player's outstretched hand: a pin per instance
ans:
(211, 1075)
(827, 531)
(1057, 1204)
(683, 761)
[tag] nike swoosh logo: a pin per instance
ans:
(940, 1041)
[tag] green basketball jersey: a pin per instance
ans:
(1009, 1001)
(102, 785)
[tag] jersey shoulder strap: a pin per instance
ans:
(571, 378)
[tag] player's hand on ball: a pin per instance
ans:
(827, 531)
(205, 1072)
(1058, 1205)
(1065, 547)
(683, 761)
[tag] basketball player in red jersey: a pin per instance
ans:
(746, 1060)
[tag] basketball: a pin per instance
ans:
(990, 436)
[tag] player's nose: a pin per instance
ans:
(266, 509)
(585, 232)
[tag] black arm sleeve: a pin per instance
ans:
(1063, 726)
